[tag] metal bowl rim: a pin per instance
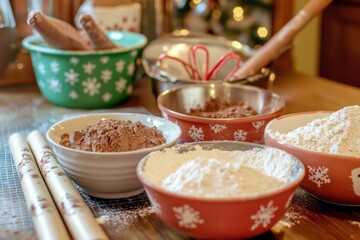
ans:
(212, 85)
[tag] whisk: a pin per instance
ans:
(192, 65)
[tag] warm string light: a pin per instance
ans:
(245, 22)
(238, 13)
(194, 3)
(262, 32)
(236, 44)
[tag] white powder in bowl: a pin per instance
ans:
(338, 133)
(218, 173)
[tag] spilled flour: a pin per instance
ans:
(219, 173)
(119, 222)
(338, 133)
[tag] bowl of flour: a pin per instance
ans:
(220, 189)
(328, 144)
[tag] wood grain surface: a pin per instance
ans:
(306, 218)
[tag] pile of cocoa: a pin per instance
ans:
(216, 108)
(113, 135)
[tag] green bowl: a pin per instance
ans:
(86, 79)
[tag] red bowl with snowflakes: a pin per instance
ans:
(334, 178)
(234, 217)
(233, 123)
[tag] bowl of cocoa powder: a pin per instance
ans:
(223, 111)
(100, 152)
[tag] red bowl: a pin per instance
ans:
(175, 103)
(220, 218)
(329, 177)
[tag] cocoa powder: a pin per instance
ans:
(113, 136)
(216, 108)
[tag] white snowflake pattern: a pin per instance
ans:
(120, 85)
(71, 77)
(196, 134)
(131, 69)
(91, 86)
(41, 68)
(106, 75)
(106, 97)
(355, 177)
(74, 60)
(187, 216)
(55, 85)
(73, 95)
(263, 216)
(240, 135)
(104, 60)
(318, 175)
(129, 90)
(120, 66)
(89, 67)
(55, 67)
(217, 128)
(257, 125)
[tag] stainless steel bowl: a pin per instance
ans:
(181, 99)
(176, 103)
(178, 43)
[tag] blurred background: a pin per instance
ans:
(328, 46)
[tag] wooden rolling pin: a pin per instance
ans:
(281, 39)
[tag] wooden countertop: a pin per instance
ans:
(306, 93)
(301, 93)
(306, 218)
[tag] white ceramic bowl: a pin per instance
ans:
(107, 174)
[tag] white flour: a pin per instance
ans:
(338, 133)
(221, 174)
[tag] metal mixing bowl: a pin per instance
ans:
(178, 43)
(175, 104)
